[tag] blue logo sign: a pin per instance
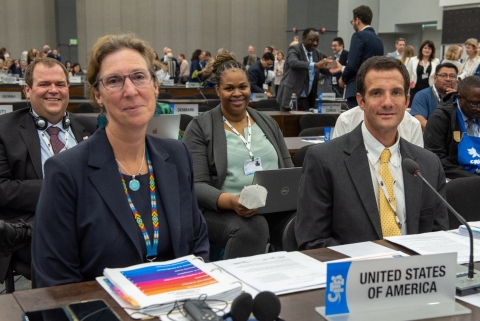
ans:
(335, 291)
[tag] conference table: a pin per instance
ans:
(295, 306)
(183, 90)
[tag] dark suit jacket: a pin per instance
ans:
(21, 165)
(364, 44)
(296, 77)
(343, 61)
(337, 204)
(177, 66)
(438, 138)
(84, 223)
(256, 76)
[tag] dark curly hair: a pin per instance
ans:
(226, 62)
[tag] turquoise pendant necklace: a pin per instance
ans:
(134, 184)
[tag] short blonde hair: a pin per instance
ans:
(452, 52)
(112, 43)
(472, 42)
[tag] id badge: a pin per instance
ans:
(425, 76)
(265, 86)
(334, 80)
(250, 167)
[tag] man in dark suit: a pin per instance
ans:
(365, 43)
(301, 72)
(257, 73)
(341, 55)
(445, 137)
(25, 144)
(251, 51)
(353, 189)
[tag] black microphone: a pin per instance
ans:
(266, 306)
(472, 283)
(241, 308)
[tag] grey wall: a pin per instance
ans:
(27, 24)
(185, 25)
(66, 28)
(303, 14)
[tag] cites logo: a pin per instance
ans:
(336, 287)
(473, 152)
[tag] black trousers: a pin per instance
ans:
(242, 236)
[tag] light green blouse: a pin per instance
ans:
(237, 154)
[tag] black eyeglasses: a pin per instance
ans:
(443, 76)
(472, 104)
(115, 82)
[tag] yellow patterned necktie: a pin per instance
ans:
(387, 215)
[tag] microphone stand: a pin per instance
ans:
(471, 283)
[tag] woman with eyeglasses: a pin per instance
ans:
(122, 197)
(422, 68)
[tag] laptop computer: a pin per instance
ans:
(282, 186)
(164, 126)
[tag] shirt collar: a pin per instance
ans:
(465, 118)
(368, 26)
(375, 148)
(338, 54)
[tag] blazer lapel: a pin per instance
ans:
(78, 131)
(29, 134)
(359, 170)
(166, 182)
(101, 157)
(413, 190)
(219, 145)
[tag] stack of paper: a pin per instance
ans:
(279, 272)
(475, 226)
(153, 288)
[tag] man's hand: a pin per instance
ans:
(341, 83)
(337, 69)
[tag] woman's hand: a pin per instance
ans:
(228, 201)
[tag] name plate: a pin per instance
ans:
(75, 80)
(329, 108)
(189, 109)
(169, 82)
(326, 96)
(5, 109)
(258, 96)
(378, 287)
(192, 84)
(9, 80)
(8, 96)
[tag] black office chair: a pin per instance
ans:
(317, 120)
(19, 105)
(300, 156)
(208, 104)
(206, 95)
(184, 121)
(312, 131)
(164, 95)
(182, 97)
(289, 242)
(267, 105)
(16, 268)
(85, 108)
(462, 194)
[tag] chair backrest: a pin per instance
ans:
(317, 120)
(85, 108)
(300, 156)
(184, 121)
(267, 105)
(19, 105)
(312, 131)
(206, 95)
(289, 242)
(164, 95)
(182, 97)
(462, 194)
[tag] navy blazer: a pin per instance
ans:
(84, 223)
(256, 77)
(364, 44)
(337, 204)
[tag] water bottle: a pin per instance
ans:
(293, 103)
